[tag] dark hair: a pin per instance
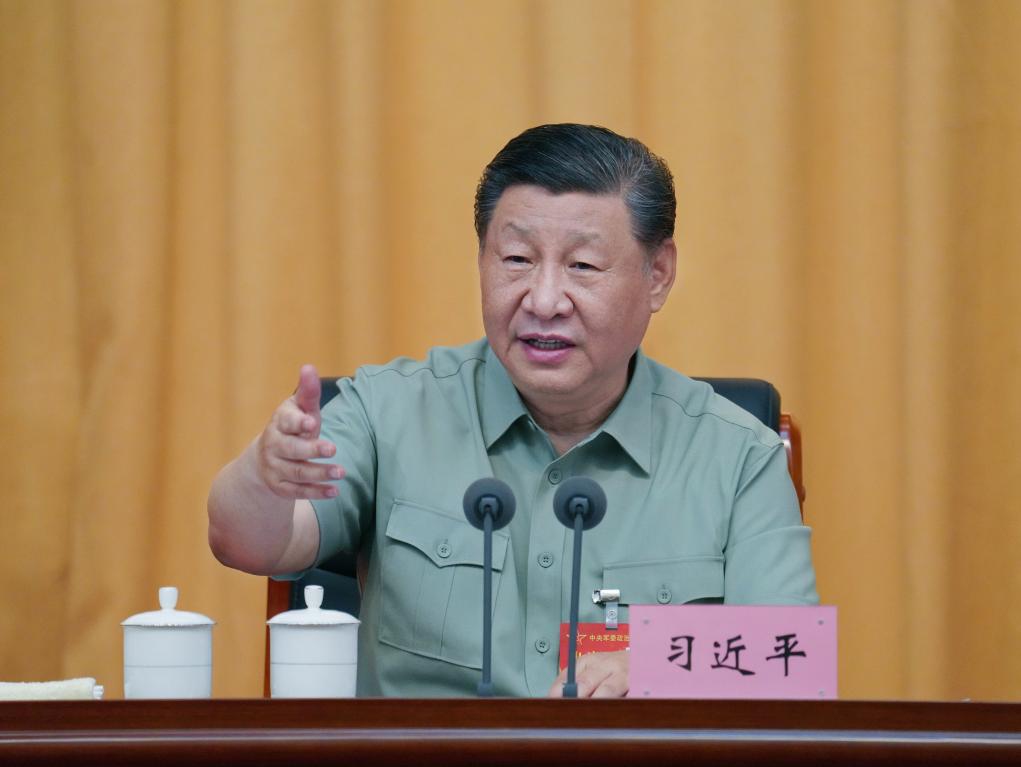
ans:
(568, 157)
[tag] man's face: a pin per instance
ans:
(567, 294)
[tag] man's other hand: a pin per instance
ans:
(286, 447)
(598, 674)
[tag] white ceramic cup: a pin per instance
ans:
(168, 653)
(313, 652)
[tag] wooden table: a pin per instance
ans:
(499, 732)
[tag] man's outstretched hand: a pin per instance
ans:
(286, 447)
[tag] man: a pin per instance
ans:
(576, 252)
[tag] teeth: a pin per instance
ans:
(546, 345)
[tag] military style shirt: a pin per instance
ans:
(700, 508)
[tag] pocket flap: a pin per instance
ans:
(445, 540)
(666, 581)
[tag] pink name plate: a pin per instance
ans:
(724, 651)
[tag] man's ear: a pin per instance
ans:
(662, 271)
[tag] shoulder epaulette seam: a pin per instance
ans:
(424, 369)
(719, 417)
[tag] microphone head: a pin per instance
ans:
(580, 496)
(489, 497)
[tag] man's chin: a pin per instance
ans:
(548, 384)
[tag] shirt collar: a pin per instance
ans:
(630, 423)
(501, 403)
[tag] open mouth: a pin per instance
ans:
(546, 350)
(547, 345)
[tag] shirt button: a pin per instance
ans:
(555, 476)
(541, 645)
(663, 596)
(546, 559)
(443, 550)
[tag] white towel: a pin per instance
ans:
(65, 689)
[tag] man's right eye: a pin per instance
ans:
(515, 260)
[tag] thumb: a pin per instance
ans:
(307, 394)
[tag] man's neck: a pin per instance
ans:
(567, 424)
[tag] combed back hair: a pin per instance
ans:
(568, 157)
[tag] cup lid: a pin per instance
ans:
(168, 615)
(313, 615)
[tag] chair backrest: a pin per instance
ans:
(340, 576)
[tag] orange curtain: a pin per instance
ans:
(196, 197)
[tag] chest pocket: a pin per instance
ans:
(666, 581)
(431, 579)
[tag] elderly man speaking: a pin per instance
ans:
(575, 226)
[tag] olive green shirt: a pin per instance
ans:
(700, 507)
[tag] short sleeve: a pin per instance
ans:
(768, 556)
(347, 424)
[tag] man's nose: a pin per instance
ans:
(547, 295)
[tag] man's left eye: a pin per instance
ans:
(583, 266)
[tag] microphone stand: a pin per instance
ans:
(579, 504)
(488, 505)
(486, 685)
(571, 686)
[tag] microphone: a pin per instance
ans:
(579, 504)
(488, 505)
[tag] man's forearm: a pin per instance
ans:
(260, 517)
(250, 527)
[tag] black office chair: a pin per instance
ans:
(340, 576)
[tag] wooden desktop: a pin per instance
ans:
(508, 732)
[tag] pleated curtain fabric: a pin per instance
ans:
(196, 197)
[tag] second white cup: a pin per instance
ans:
(313, 652)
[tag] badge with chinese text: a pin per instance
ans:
(593, 637)
(724, 651)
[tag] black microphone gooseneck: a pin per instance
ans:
(580, 504)
(488, 505)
